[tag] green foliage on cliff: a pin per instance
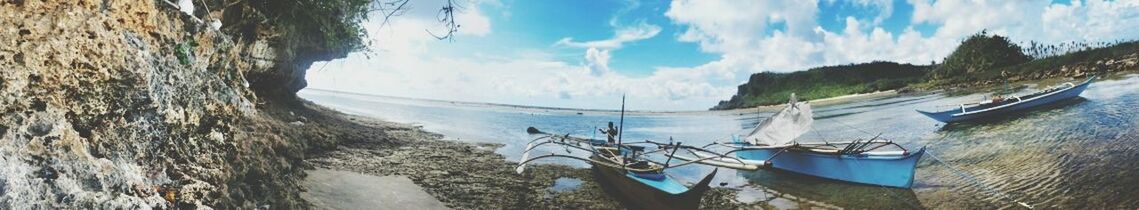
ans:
(324, 25)
(774, 88)
(977, 54)
(184, 51)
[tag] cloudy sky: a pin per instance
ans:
(679, 55)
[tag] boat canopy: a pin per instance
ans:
(783, 127)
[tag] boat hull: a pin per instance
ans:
(889, 171)
(957, 115)
(640, 193)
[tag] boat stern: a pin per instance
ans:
(912, 160)
(943, 116)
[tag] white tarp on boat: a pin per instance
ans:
(783, 127)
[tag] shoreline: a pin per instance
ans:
(526, 108)
(569, 111)
(837, 100)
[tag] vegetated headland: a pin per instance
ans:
(980, 60)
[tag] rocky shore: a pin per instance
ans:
(138, 105)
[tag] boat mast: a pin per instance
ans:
(620, 131)
(621, 124)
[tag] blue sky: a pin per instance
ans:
(680, 55)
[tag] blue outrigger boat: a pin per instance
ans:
(624, 168)
(884, 168)
(1008, 104)
(874, 161)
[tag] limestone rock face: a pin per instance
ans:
(134, 104)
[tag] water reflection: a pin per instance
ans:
(807, 191)
(563, 184)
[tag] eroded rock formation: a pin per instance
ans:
(133, 104)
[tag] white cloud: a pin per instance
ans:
(1095, 20)
(472, 21)
(962, 18)
(640, 31)
(732, 26)
(597, 61)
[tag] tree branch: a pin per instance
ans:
(446, 16)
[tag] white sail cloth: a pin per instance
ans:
(783, 127)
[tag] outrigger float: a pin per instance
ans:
(1001, 105)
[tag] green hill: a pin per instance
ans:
(978, 54)
(823, 82)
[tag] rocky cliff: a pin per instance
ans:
(133, 104)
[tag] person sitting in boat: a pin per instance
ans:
(611, 133)
(993, 100)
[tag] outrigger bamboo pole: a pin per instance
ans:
(671, 154)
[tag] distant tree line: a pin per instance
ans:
(1038, 50)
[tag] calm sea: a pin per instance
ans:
(1080, 153)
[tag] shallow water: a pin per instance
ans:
(565, 184)
(1081, 153)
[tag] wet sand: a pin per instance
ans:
(329, 189)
